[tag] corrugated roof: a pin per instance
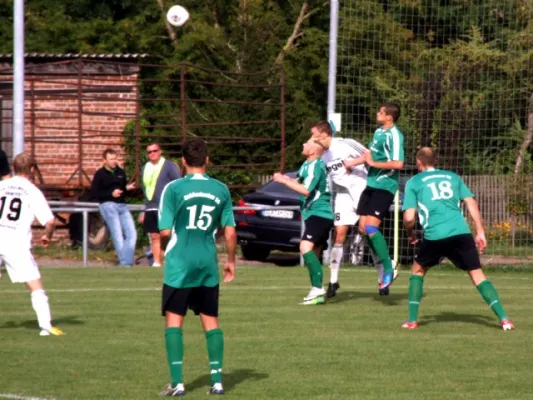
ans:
(63, 56)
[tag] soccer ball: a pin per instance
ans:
(177, 16)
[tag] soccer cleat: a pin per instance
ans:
(216, 389)
(315, 292)
(315, 301)
(383, 292)
(332, 289)
(387, 281)
(156, 265)
(507, 325)
(52, 331)
(178, 390)
(410, 325)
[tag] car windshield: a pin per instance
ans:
(275, 187)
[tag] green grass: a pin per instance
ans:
(351, 348)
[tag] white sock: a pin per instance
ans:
(335, 261)
(379, 266)
(39, 301)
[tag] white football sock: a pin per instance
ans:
(378, 264)
(39, 301)
(335, 261)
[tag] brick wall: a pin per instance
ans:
(61, 130)
(54, 123)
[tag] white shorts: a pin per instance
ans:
(345, 208)
(20, 265)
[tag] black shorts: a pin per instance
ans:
(201, 300)
(317, 230)
(150, 221)
(375, 202)
(460, 250)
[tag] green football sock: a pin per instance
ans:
(314, 267)
(490, 295)
(379, 245)
(174, 345)
(215, 351)
(416, 291)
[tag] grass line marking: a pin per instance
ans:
(253, 288)
(20, 397)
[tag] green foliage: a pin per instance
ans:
(460, 70)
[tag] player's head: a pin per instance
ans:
(23, 165)
(110, 158)
(153, 150)
(194, 154)
(425, 158)
(322, 133)
(388, 114)
(312, 149)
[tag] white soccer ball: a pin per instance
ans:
(177, 16)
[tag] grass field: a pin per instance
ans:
(350, 348)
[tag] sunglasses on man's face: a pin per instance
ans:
(153, 151)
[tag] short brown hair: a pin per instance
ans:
(426, 156)
(154, 144)
(22, 164)
(195, 152)
(323, 127)
(108, 151)
(393, 110)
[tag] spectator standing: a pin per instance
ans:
(156, 174)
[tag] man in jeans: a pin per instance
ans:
(108, 188)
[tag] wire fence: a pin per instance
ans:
(463, 75)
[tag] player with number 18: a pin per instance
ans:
(436, 195)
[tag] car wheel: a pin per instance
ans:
(356, 249)
(98, 237)
(255, 253)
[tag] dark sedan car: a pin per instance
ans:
(260, 232)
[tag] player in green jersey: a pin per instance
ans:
(384, 160)
(190, 212)
(315, 198)
(436, 195)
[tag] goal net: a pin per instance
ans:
(462, 72)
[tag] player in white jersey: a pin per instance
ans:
(20, 203)
(347, 186)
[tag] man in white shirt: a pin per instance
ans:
(347, 186)
(20, 203)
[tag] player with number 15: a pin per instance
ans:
(190, 212)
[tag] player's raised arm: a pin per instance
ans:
(291, 184)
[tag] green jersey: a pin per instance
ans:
(437, 195)
(386, 145)
(313, 175)
(193, 208)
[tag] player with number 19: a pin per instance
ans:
(190, 212)
(437, 195)
(21, 202)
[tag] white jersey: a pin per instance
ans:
(344, 149)
(20, 203)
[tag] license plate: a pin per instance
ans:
(285, 214)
